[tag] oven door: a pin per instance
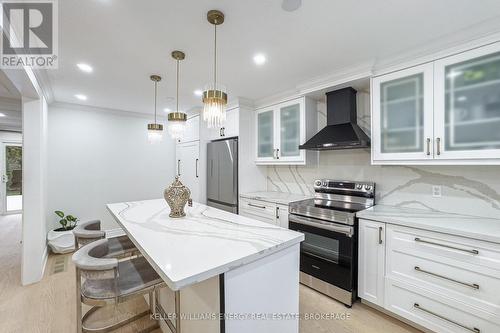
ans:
(327, 252)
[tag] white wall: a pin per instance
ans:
(34, 189)
(99, 156)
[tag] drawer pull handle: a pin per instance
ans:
(471, 285)
(474, 329)
(315, 267)
(448, 246)
(257, 206)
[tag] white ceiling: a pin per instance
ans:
(127, 40)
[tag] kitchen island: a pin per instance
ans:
(224, 272)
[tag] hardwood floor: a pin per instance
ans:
(49, 306)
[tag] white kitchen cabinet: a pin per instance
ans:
(371, 262)
(282, 215)
(229, 129)
(281, 128)
(192, 132)
(443, 282)
(403, 115)
(442, 112)
(264, 211)
(187, 167)
(467, 105)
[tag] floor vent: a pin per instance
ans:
(60, 264)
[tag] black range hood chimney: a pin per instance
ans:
(342, 130)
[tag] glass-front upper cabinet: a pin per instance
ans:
(402, 114)
(282, 128)
(467, 105)
(265, 135)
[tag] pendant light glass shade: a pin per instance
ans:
(155, 130)
(155, 133)
(177, 120)
(214, 105)
(176, 125)
(214, 95)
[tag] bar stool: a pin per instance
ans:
(90, 231)
(108, 281)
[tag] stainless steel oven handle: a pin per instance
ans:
(346, 230)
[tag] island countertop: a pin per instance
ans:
(205, 243)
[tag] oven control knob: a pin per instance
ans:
(317, 183)
(368, 187)
(359, 186)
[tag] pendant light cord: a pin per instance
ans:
(156, 85)
(215, 56)
(177, 94)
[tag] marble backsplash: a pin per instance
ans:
(471, 190)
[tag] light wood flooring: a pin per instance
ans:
(49, 306)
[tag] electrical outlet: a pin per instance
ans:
(436, 191)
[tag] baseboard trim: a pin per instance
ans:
(116, 232)
(45, 257)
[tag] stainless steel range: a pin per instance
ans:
(328, 255)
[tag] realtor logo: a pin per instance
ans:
(29, 34)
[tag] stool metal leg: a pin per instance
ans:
(78, 302)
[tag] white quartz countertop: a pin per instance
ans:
(482, 228)
(276, 197)
(205, 243)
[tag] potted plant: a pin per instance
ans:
(62, 240)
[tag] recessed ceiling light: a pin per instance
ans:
(2, 115)
(85, 68)
(198, 92)
(81, 97)
(167, 110)
(259, 59)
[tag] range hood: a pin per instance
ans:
(342, 130)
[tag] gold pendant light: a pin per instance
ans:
(214, 95)
(177, 120)
(155, 130)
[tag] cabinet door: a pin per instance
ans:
(467, 105)
(188, 155)
(403, 115)
(192, 132)
(282, 216)
(291, 133)
(231, 127)
(371, 263)
(265, 135)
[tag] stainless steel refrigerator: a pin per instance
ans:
(222, 174)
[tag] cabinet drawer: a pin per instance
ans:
(259, 208)
(475, 287)
(456, 250)
(434, 312)
(250, 214)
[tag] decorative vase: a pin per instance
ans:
(61, 241)
(177, 195)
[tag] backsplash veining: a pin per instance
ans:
(473, 190)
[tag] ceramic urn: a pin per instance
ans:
(177, 195)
